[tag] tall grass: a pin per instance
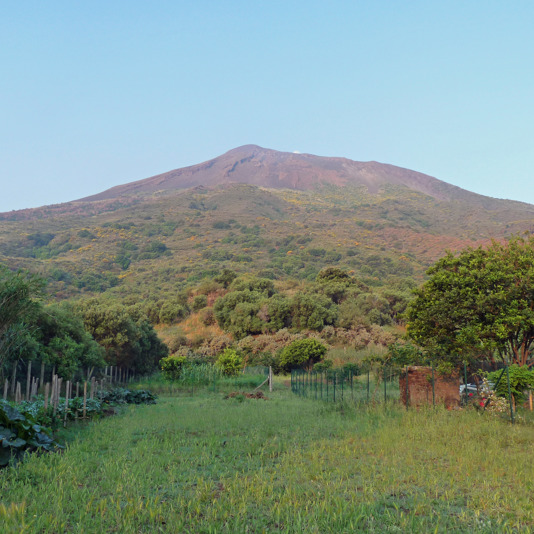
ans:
(197, 379)
(204, 464)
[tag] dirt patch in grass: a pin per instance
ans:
(257, 395)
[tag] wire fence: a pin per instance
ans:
(412, 386)
(347, 385)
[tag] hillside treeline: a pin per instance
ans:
(70, 337)
(256, 316)
(259, 317)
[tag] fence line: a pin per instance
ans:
(36, 385)
(346, 385)
(342, 385)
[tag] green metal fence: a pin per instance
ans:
(382, 385)
(347, 385)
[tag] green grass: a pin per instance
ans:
(199, 383)
(204, 464)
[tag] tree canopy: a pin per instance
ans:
(304, 352)
(20, 295)
(479, 304)
(125, 333)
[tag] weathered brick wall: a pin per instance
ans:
(446, 387)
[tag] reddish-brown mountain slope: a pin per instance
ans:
(262, 167)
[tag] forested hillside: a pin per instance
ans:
(229, 263)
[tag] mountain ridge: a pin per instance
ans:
(383, 223)
(254, 165)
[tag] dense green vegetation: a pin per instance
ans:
(21, 432)
(205, 282)
(153, 247)
(302, 353)
(70, 338)
(239, 267)
(27, 427)
(479, 304)
(204, 464)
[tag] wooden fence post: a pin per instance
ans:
(58, 393)
(67, 386)
(28, 380)
(35, 387)
(84, 398)
(41, 382)
(46, 392)
(14, 379)
(52, 390)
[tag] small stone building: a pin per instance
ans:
(418, 391)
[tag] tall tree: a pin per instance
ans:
(64, 342)
(479, 304)
(20, 302)
(126, 334)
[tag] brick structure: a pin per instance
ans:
(419, 390)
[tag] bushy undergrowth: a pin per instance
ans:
(21, 433)
(118, 395)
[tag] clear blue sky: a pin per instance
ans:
(95, 94)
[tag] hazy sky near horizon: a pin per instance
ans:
(97, 94)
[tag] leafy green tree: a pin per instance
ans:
(230, 362)
(479, 304)
(251, 283)
(397, 301)
(171, 366)
(126, 334)
(20, 304)
(171, 311)
(226, 277)
(312, 312)
(303, 352)
(65, 343)
(237, 312)
(199, 302)
(323, 366)
(277, 313)
(333, 274)
(401, 354)
(148, 350)
(521, 380)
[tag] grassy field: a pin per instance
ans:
(203, 463)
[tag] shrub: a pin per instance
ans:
(230, 362)
(303, 352)
(207, 316)
(351, 369)
(120, 395)
(179, 340)
(199, 302)
(521, 380)
(172, 366)
(323, 366)
(312, 312)
(171, 311)
(20, 433)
